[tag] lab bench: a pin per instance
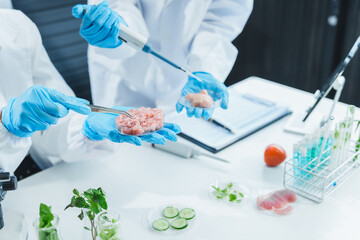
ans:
(137, 179)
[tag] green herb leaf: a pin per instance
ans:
(232, 197)
(81, 215)
(241, 195)
(76, 192)
(45, 216)
(86, 228)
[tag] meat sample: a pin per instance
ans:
(277, 201)
(144, 120)
(201, 99)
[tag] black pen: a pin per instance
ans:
(220, 125)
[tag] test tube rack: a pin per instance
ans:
(316, 180)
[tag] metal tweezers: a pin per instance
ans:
(100, 109)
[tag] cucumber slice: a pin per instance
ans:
(179, 223)
(187, 213)
(161, 224)
(170, 212)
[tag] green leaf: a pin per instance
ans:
(216, 188)
(102, 202)
(352, 109)
(81, 215)
(95, 208)
(232, 197)
(87, 228)
(230, 185)
(76, 192)
(45, 216)
(90, 215)
(241, 195)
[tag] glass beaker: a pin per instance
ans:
(108, 226)
(49, 233)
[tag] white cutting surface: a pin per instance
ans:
(142, 177)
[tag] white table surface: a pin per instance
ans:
(142, 177)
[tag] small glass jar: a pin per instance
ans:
(108, 226)
(49, 233)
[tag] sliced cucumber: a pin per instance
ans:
(161, 224)
(187, 213)
(179, 223)
(170, 212)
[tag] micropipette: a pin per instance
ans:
(141, 43)
(185, 151)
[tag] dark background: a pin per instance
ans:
(286, 41)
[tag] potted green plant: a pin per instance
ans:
(91, 203)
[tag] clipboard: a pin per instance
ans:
(246, 115)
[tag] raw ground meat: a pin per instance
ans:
(277, 201)
(201, 99)
(144, 120)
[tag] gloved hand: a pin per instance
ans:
(98, 126)
(37, 108)
(100, 25)
(194, 86)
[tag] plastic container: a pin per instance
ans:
(50, 233)
(242, 193)
(215, 96)
(286, 209)
(157, 213)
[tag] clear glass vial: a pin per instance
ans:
(49, 233)
(108, 226)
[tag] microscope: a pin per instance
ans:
(7, 183)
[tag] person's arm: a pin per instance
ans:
(211, 49)
(63, 141)
(13, 149)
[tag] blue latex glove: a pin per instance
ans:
(38, 108)
(99, 126)
(194, 86)
(100, 25)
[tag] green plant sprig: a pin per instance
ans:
(91, 202)
(45, 221)
(229, 193)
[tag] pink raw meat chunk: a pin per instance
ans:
(201, 99)
(144, 120)
(277, 201)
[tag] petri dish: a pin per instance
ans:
(242, 193)
(286, 209)
(157, 213)
(215, 96)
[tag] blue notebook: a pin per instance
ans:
(246, 115)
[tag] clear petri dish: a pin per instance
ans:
(286, 209)
(215, 96)
(139, 135)
(157, 213)
(242, 193)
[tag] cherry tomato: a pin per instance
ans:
(274, 155)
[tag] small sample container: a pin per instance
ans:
(49, 233)
(241, 195)
(108, 226)
(215, 96)
(156, 213)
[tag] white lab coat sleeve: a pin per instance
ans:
(13, 149)
(63, 141)
(130, 12)
(211, 50)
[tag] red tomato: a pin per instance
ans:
(274, 155)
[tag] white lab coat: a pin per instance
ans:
(23, 63)
(197, 34)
